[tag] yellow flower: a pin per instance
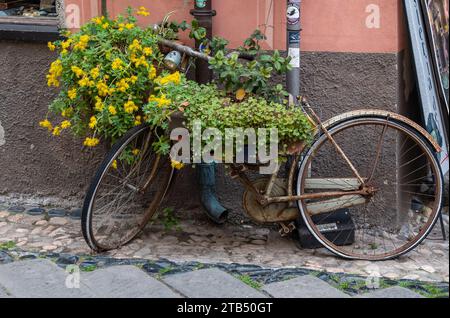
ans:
(137, 120)
(142, 11)
(98, 20)
(121, 26)
(147, 51)
(134, 46)
(67, 112)
(122, 85)
(135, 151)
(92, 122)
(102, 89)
(91, 142)
(130, 107)
(114, 164)
(54, 73)
(133, 79)
(51, 46)
(105, 25)
(112, 110)
(52, 81)
(72, 93)
(141, 61)
(46, 124)
(78, 71)
(160, 101)
(82, 43)
(95, 72)
(56, 131)
(99, 104)
(152, 72)
(171, 78)
(177, 165)
(85, 82)
(66, 44)
(117, 64)
(65, 124)
(129, 26)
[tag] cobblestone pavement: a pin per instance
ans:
(43, 278)
(58, 231)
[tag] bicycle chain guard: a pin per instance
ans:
(272, 213)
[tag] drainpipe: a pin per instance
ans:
(203, 13)
(293, 48)
(104, 8)
(206, 172)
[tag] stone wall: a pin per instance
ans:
(36, 166)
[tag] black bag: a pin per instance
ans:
(336, 226)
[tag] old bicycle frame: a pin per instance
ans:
(378, 166)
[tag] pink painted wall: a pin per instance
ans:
(328, 25)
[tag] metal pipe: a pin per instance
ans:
(193, 53)
(206, 172)
(203, 13)
(293, 48)
(184, 49)
(104, 8)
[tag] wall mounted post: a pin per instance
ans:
(293, 48)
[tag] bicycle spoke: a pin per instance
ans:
(120, 206)
(396, 165)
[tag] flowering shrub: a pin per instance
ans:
(107, 72)
(112, 77)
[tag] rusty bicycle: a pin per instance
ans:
(374, 163)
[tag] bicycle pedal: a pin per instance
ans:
(285, 230)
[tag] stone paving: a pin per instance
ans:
(42, 278)
(58, 231)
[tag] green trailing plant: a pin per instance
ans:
(214, 108)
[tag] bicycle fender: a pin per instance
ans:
(383, 113)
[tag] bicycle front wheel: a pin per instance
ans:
(126, 191)
(397, 164)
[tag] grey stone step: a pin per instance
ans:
(37, 278)
(391, 292)
(211, 283)
(125, 281)
(303, 287)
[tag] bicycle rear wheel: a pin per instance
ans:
(126, 191)
(397, 163)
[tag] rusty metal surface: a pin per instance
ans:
(271, 213)
(383, 113)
